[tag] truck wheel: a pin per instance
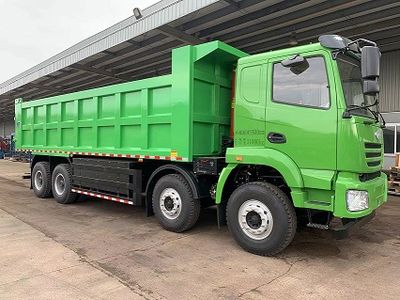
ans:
(174, 205)
(62, 183)
(41, 179)
(261, 218)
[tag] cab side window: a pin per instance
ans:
(306, 86)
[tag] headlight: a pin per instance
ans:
(379, 135)
(356, 200)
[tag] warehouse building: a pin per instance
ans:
(140, 46)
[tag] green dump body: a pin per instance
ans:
(177, 116)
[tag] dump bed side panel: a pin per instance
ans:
(132, 118)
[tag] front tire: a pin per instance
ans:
(261, 218)
(62, 184)
(41, 179)
(174, 205)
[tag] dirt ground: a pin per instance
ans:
(96, 249)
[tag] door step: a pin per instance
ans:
(318, 226)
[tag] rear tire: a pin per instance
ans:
(174, 205)
(261, 218)
(62, 184)
(41, 179)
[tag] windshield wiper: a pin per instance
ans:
(352, 107)
(377, 115)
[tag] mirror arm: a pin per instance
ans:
(336, 52)
(383, 124)
(357, 41)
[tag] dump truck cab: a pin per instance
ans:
(306, 117)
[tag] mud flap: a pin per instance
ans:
(221, 214)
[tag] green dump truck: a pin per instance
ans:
(274, 139)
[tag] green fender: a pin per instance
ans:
(265, 157)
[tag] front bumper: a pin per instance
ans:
(343, 231)
(376, 188)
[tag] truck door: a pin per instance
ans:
(301, 111)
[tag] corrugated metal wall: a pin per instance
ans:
(390, 82)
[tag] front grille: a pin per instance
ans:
(373, 145)
(372, 154)
(369, 176)
(373, 163)
(373, 150)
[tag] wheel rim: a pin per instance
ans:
(255, 219)
(170, 203)
(38, 180)
(59, 184)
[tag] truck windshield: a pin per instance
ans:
(350, 74)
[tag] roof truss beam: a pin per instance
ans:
(225, 11)
(46, 88)
(145, 63)
(112, 54)
(265, 42)
(57, 79)
(98, 71)
(343, 17)
(132, 47)
(250, 17)
(234, 3)
(283, 21)
(180, 35)
(138, 56)
(153, 69)
(92, 83)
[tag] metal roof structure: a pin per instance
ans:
(135, 49)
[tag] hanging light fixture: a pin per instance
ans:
(137, 13)
(293, 39)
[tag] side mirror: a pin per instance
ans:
(370, 62)
(370, 87)
(297, 64)
(333, 41)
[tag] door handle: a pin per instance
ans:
(276, 138)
